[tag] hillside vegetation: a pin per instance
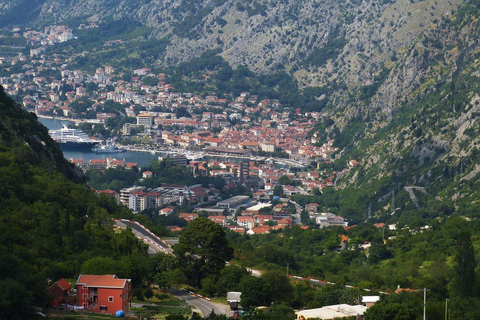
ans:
(50, 226)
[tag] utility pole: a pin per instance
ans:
(425, 303)
(446, 309)
(370, 210)
(393, 200)
(288, 264)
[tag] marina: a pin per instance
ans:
(143, 155)
(141, 158)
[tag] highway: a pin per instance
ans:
(155, 245)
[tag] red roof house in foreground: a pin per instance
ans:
(60, 293)
(104, 294)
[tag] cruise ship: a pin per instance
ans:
(72, 139)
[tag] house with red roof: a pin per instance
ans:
(147, 174)
(311, 208)
(188, 216)
(221, 220)
(165, 211)
(247, 222)
(259, 230)
(103, 294)
(263, 218)
(60, 293)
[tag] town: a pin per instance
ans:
(265, 139)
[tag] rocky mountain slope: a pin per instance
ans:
(320, 42)
(419, 126)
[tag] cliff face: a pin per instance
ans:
(420, 126)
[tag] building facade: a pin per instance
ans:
(103, 294)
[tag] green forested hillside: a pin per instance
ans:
(50, 226)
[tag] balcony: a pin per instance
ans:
(92, 294)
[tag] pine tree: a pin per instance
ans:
(464, 281)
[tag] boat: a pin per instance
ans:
(194, 156)
(72, 139)
(108, 149)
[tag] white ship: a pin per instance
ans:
(72, 139)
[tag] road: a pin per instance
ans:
(203, 305)
(412, 194)
(154, 244)
(297, 214)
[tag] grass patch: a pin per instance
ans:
(68, 315)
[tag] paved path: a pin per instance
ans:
(412, 194)
(201, 304)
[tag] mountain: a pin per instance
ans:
(319, 42)
(428, 133)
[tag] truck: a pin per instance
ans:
(233, 298)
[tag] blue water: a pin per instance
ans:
(141, 158)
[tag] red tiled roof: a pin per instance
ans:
(105, 281)
(63, 284)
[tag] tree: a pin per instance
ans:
(230, 278)
(280, 284)
(102, 265)
(464, 280)
(378, 252)
(255, 292)
(390, 311)
(182, 112)
(284, 180)
(148, 293)
(278, 191)
(203, 250)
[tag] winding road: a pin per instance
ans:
(158, 245)
(155, 244)
(201, 304)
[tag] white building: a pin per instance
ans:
(145, 119)
(338, 311)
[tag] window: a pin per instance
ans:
(103, 308)
(110, 299)
(85, 296)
